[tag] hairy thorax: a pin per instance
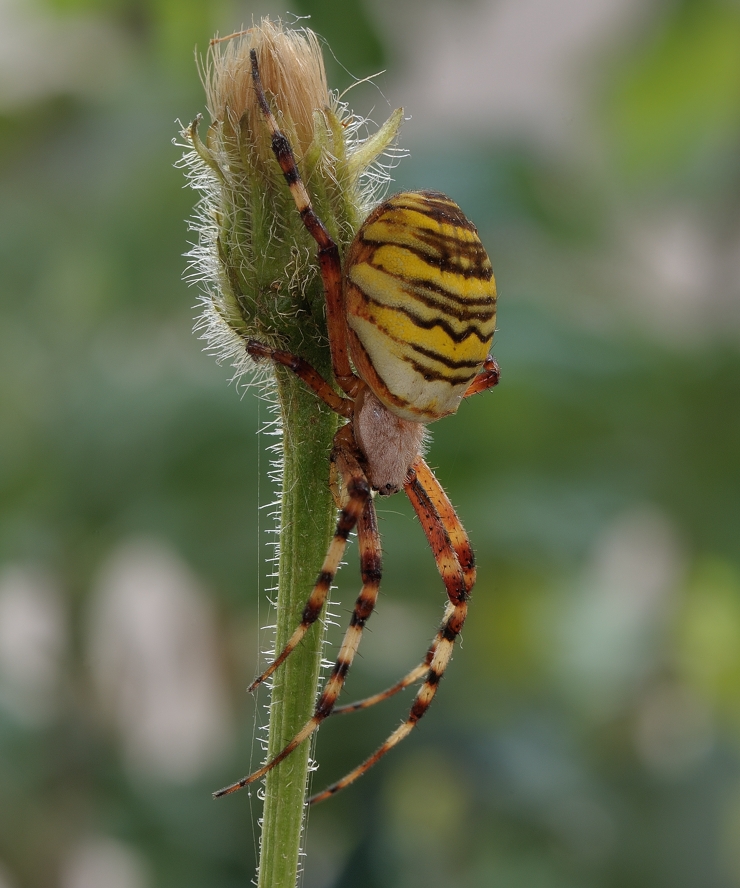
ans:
(390, 444)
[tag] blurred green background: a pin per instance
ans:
(588, 731)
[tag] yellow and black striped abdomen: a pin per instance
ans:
(420, 299)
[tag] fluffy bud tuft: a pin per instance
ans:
(291, 68)
(254, 259)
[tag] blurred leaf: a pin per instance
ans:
(680, 93)
(562, 202)
(709, 634)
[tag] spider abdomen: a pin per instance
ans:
(420, 300)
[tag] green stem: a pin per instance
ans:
(308, 515)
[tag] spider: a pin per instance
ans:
(415, 310)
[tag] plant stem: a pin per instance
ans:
(308, 515)
(258, 260)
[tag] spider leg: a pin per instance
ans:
(370, 565)
(357, 494)
(416, 674)
(328, 252)
(302, 369)
(424, 488)
(424, 491)
(489, 376)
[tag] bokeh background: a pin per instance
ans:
(587, 734)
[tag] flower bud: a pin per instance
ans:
(253, 257)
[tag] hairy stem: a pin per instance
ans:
(307, 523)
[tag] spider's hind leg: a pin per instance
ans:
(416, 674)
(455, 563)
(452, 552)
(370, 566)
(357, 490)
(442, 527)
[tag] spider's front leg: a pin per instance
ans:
(303, 370)
(328, 252)
(358, 493)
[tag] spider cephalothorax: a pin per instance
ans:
(415, 310)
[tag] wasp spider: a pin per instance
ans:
(415, 310)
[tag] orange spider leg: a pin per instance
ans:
(416, 674)
(302, 369)
(358, 493)
(458, 592)
(426, 484)
(328, 252)
(370, 565)
(489, 376)
(442, 508)
(447, 538)
(434, 492)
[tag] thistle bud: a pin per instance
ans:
(253, 257)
